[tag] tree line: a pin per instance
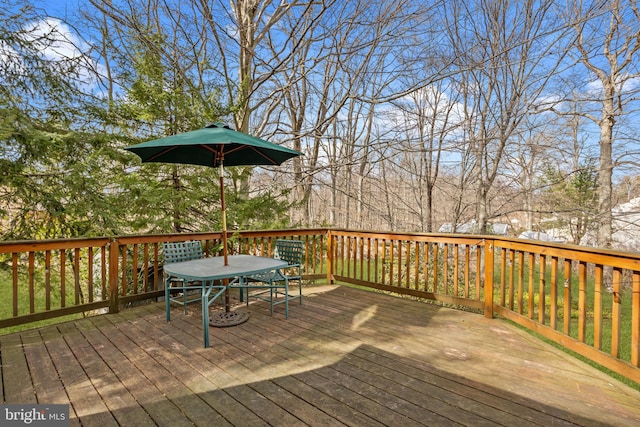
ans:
(409, 114)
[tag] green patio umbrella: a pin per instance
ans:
(216, 145)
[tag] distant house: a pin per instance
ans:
(471, 227)
(501, 229)
(538, 235)
(626, 226)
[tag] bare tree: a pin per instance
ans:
(607, 42)
(535, 144)
(259, 39)
(502, 50)
(428, 125)
(332, 91)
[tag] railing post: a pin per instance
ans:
(635, 320)
(114, 250)
(329, 257)
(488, 278)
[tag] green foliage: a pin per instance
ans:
(63, 170)
(51, 184)
(56, 180)
(571, 197)
(259, 212)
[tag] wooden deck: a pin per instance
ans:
(345, 357)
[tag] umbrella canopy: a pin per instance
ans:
(215, 146)
(212, 146)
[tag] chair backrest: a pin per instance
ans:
(181, 251)
(290, 251)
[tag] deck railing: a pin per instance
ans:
(50, 279)
(585, 299)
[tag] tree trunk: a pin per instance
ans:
(605, 170)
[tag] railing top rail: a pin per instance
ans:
(153, 238)
(157, 238)
(587, 254)
(600, 255)
(58, 244)
(417, 237)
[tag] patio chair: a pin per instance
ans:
(185, 291)
(276, 283)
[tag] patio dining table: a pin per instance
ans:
(216, 278)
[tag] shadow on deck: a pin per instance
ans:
(345, 357)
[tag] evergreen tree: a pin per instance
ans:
(52, 179)
(571, 198)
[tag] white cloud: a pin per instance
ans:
(594, 87)
(54, 39)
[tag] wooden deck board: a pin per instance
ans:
(434, 385)
(78, 387)
(421, 396)
(168, 375)
(16, 366)
(125, 380)
(344, 357)
(46, 382)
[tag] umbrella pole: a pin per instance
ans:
(225, 252)
(224, 217)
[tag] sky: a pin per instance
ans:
(69, 44)
(59, 8)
